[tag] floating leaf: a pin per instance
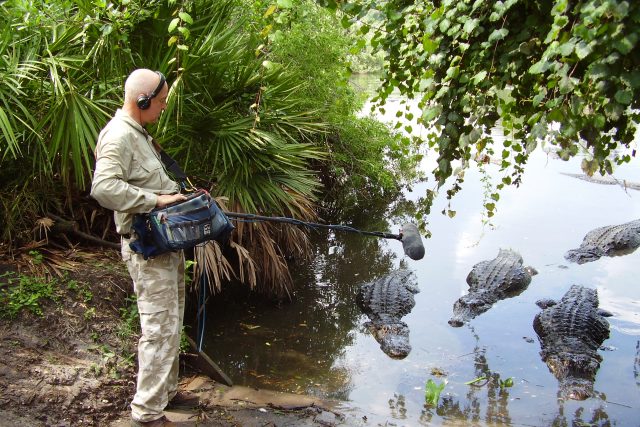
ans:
(475, 380)
(433, 391)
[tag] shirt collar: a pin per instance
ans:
(120, 114)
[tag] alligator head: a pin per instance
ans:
(467, 307)
(575, 374)
(393, 337)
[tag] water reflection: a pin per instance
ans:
(636, 365)
(293, 346)
(316, 344)
(486, 399)
(598, 417)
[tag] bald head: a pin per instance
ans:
(140, 82)
(145, 98)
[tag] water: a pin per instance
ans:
(317, 343)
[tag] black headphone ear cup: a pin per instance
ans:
(143, 102)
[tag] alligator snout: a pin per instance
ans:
(392, 337)
(396, 347)
(456, 323)
(576, 389)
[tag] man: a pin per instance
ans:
(130, 179)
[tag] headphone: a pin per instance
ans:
(144, 101)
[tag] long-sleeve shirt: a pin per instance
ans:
(129, 173)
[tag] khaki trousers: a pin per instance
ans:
(160, 290)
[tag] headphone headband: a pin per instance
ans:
(158, 88)
(144, 101)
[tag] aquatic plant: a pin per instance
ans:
(432, 392)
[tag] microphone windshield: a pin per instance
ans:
(412, 241)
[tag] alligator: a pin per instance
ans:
(606, 180)
(610, 240)
(636, 365)
(385, 301)
(491, 281)
(570, 332)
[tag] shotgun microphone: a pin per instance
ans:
(412, 241)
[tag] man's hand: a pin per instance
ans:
(167, 199)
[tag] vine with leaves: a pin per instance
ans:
(558, 74)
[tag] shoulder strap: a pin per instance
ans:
(173, 167)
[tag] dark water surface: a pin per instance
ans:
(317, 344)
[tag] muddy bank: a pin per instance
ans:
(73, 364)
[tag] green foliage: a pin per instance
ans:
(367, 161)
(433, 391)
(130, 317)
(516, 64)
(21, 292)
(476, 380)
(506, 383)
(495, 378)
(253, 109)
(184, 342)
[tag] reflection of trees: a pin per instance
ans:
(397, 407)
(599, 417)
(471, 409)
(293, 345)
(497, 399)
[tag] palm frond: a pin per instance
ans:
(212, 265)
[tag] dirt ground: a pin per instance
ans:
(73, 365)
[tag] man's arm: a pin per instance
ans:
(109, 186)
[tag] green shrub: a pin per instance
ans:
(22, 292)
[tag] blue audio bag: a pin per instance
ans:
(181, 225)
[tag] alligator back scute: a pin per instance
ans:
(504, 272)
(570, 333)
(385, 301)
(610, 240)
(490, 281)
(390, 295)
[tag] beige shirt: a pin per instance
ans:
(129, 173)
